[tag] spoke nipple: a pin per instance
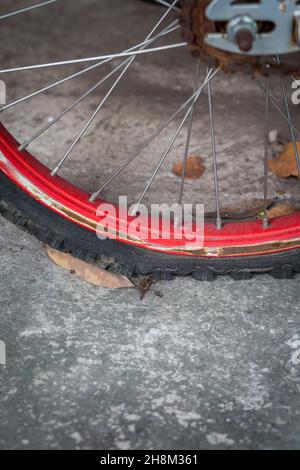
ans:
(55, 171)
(22, 147)
(93, 197)
(266, 223)
(219, 224)
(134, 210)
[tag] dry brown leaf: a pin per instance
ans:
(145, 285)
(281, 209)
(285, 165)
(194, 168)
(89, 272)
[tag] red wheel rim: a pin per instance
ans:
(235, 239)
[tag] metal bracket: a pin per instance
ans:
(284, 14)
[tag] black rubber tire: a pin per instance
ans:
(64, 235)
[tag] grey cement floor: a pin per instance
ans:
(206, 366)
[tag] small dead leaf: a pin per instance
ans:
(281, 209)
(89, 272)
(194, 168)
(145, 285)
(285, 165)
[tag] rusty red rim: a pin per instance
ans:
(235, 239)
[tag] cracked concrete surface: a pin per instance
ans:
(208, 365)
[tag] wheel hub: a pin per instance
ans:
(244, 35)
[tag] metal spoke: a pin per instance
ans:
(215, 160)
(93, 59)
(166, 4)
(72, 106)
(27, 9)
(276, 105)
(153, 136)
(172, 27)
(291, 77)
(162, 160)
(291, 127)
(186, 111)
(188, 138)
(171, 7)
(89, 122)
(78, 101)
(266, 159)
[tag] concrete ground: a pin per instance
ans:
(205, 366)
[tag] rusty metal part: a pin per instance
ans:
(244, 39)
(195, 26)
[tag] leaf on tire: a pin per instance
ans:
(89, 272)
(285, 165)
(194, 168)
